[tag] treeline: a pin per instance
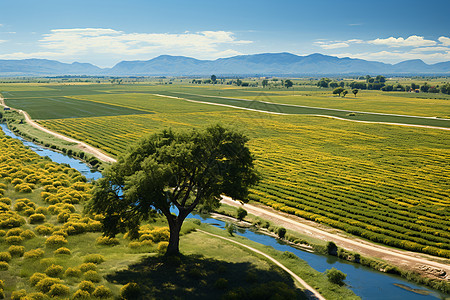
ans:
(379, 83)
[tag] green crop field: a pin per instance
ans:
(387, 183)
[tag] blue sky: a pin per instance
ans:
(106, 32)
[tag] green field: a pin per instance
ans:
(386, 183)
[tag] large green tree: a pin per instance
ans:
(173, 170)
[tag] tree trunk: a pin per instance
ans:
(174, 239)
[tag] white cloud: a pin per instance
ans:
(412, 41)
(75, 42)
(398, 56)
(334, 45)
(430, 49)
(444, 40)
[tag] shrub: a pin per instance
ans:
(2, 284)
(60, 232)
(241, 213)
(5, 256)
(87, 286)
(43, 230)
(35, 253)
(88, 267)
(36, 296)
(4, 266)
(55, 241)
(2, 294)
(54, 271)
(62, 251)
(72, 272)
(81, 295)
(16, 250)
(45, 284)
(47, 262)
(37, 218)
(281, 232)
(130, 291)
(42, 210)
(2, 233)
(160, 234)
(29, 211)
(94, 258)
(107, 241)
(221, 283)
(59, 290)
(14, 232)
(63, 217)
(18, 295)
(162, 247)
(36, 277)
(28, 234)
(14, 240)
(332, 248)
(102, 292)
(92, 276)
(335, 276)
(5, 200)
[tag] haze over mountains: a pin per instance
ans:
(258, 64)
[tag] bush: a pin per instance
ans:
(42, 210)
(35, 253)
(62, 251)
(102, 292)
(241, 213)
(107, 241)
(87, 286)
(81, 295)
(14, 232)
(335, 276)
(332, 248)
(92, 276)
(2, 284)
(162, 247)
(221, 284)
(43, 230)
(37, 218)
(54, 271)
(28, 234)
(2, 294)
(45, 284)
(5, 256)
(59, 290)
(14, 240)
(88, 267)
(4, 266)
(130, 291)
(72, 272)
(94, 258)
(18, 295)
(281, 232)
(36, 296)
(16, 250)
(55, 241)
(36, 277)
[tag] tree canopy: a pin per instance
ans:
(173, 169)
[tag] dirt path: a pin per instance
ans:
(80, 145)
(312, 293)
(315, 115)
(405, 259)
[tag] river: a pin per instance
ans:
(363, 281)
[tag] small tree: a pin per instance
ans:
(231, 229)
(345, 92)
(335, 276)
(332, 248)
(288, 83)
(338, 91)
(355, 91)
(213, 78)
(265, 82)
(281, 232)
(241, 213)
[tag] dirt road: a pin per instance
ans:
(80, 145)
(312, 293)
(404, 259)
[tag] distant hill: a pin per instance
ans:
(256, 64)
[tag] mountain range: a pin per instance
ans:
(266, 64)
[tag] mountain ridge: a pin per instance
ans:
(270, 64)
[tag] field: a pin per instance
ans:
(49, 247)
(389, 184)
